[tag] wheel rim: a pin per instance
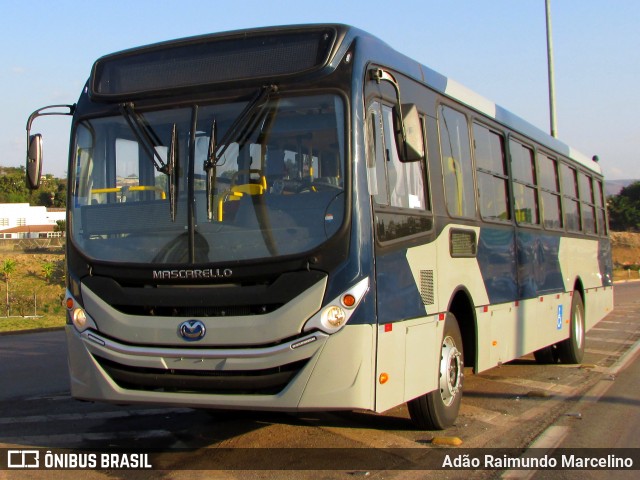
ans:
(578, 328)
(450, 371)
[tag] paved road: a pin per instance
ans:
(33, 364)
(508, 406)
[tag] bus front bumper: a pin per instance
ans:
(313, 372)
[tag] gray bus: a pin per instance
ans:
(301, 218)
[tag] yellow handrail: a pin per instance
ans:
(134, 188)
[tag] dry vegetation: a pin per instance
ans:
(36, 291)
(626, 248)
(626, 255)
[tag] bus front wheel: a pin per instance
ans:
(438, 409)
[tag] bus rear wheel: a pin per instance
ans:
(571, 350)
(438, 409)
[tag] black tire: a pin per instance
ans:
(571, 350)
(547, 355)
(438, 409)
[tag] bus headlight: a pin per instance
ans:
(77, 316)
(336, 314)
(333, 317)
(81, 320)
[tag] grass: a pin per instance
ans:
(36, 292)
(14, 324)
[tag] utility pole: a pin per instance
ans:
(552, 87)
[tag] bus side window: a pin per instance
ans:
(406, 188)
(600, 205)
(391, 181)
(570, 198)
(525, 190)
(457, 168)
(397, 187)
(588, 203)
(376, 171)
(493, 192)
(550, 190)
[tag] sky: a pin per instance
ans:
(495, 47)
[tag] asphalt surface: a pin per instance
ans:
(510, 406)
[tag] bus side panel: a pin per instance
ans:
(579, 261)
(511, 330)
(598, 304)
(407, 361)
(407, 355)
(449, 273)
(538, 266)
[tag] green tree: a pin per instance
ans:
(624, 209)
(13, 189)
(61, 226)
(8, 267)
(48, 268)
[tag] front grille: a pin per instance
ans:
(208, 300)
(269, 381)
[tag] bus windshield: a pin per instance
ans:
(276, 188)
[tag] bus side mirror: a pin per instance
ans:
(34, 161)
(411, 144)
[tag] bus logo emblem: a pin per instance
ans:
(192, 330)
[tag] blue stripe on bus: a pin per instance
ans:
(516, 270)
(514, 266)
(539, 264)
(496, 258)
(398, 295)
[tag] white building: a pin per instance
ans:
(21, 220)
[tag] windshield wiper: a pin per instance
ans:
(145, 136)
(148, 139)
(253, 109)
(241, 126)
(210, 168)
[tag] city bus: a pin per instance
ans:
(301, 218)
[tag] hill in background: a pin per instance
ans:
(613, 187)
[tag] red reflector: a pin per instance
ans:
(441, 317)
(485, 309)
(388, 327)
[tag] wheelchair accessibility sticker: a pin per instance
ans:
(559, 324)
